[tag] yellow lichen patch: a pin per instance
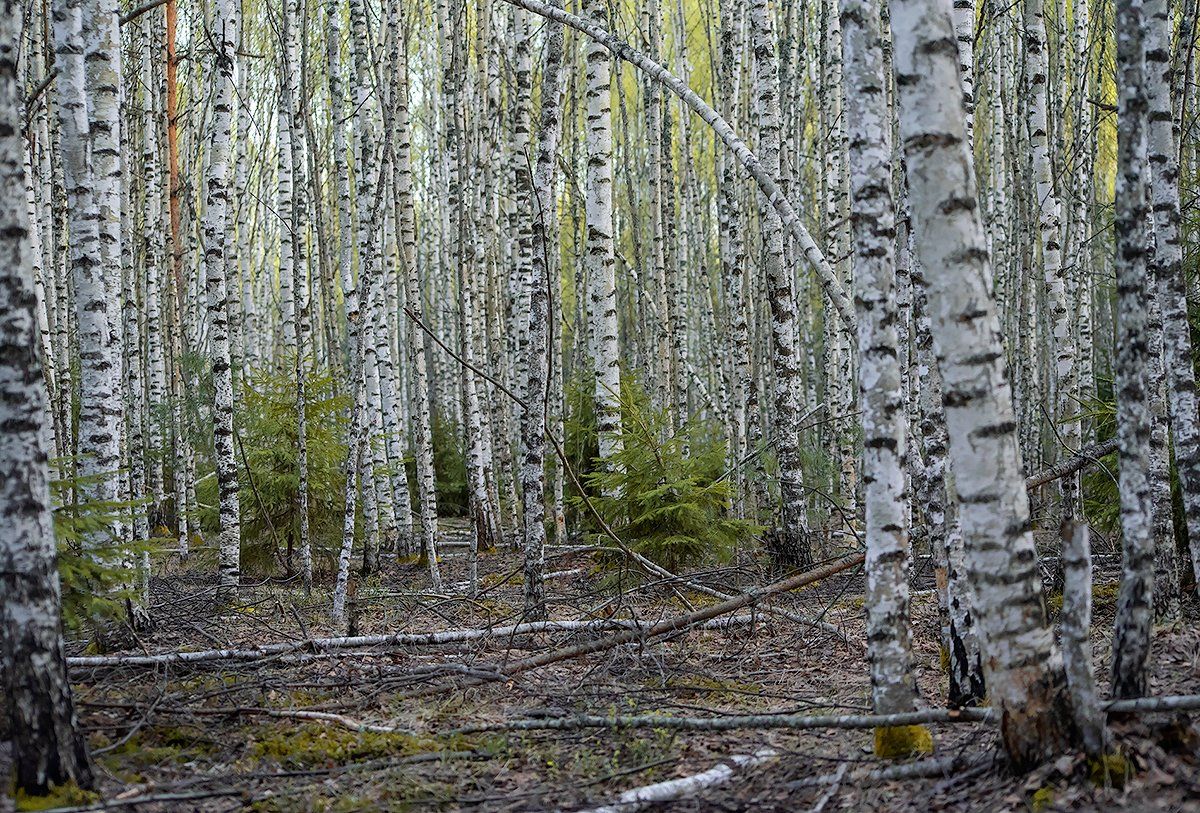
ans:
(1110, 770)
(902, 741)
(66, 795)
(1041, 799)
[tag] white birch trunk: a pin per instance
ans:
(885, 429)
(1023, 668)
(1135, 603)
(216, 232)
(48, 748)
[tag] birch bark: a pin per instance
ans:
(48, 748)
(1131, 636)
(1023, 667)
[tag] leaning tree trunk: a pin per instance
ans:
(48, 748)
(881, 393)
(1135, 604)
(1023, 668)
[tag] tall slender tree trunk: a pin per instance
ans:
(599, 258)
(98, 447)
(792, 543)
(885, 429)
(1166, 264)
(545, 247)
(1135, 602)
(216, 232)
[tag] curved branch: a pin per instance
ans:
(622, 50)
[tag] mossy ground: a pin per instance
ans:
(197, 729)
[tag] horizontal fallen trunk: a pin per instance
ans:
(1189, 702)
(685, 786)
(1077, 461)
(369, 641)
(1175, 702)
(737, 722)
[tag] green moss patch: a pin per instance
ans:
(903, 741)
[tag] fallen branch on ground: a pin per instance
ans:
(686, 620)
(674, 789)
(1187, 702)
(367, 641)
(736, 722)
(1172, 702)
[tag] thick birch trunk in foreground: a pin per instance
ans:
(48, 748)
(215, 234)
(1023, 668)
(1135, 604)
(885, 429)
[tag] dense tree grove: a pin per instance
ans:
(909, 284)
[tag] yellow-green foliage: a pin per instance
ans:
(1110, 770)
(318, 745)
(1041, 799)
(902, 741)
(68, 795)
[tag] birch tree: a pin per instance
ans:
(215, 235)
(1135, 603)
(885, 430)
(48, 747)
(1021, 663)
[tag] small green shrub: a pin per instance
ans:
(270, 491)
(96, 580)
(664, 494)
(450, 467)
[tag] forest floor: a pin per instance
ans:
(225, 736)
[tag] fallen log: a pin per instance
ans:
(1187, 702)
(367, 641)
(686, 620)
(1077, 461)
(736, 722)
(685, 786)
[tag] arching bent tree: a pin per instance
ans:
(1023, 668)
(48, 749)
